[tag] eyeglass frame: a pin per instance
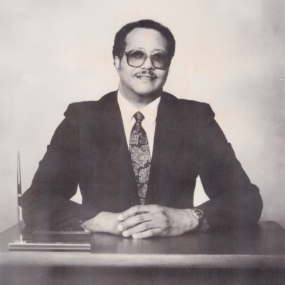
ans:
(127, 55)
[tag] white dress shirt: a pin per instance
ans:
(148, 123)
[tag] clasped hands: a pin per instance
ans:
(144, 221)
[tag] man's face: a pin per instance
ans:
(146, 79)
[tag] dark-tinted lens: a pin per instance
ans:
(160, 60)
(136, 58)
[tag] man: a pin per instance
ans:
(136, 154)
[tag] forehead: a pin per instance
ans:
(146, 39)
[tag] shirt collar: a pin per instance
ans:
(128, 110)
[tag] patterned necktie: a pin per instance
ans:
(140, 155)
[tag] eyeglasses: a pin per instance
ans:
(137, 58)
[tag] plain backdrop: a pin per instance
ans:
(229, 54)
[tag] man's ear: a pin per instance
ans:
(117, 63)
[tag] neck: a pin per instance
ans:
(139, 101)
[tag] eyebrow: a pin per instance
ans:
(142, 49)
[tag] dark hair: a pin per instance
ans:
(120, 38)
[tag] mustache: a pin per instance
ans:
(149, 73)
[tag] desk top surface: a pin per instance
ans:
(261, 246)
(267, 238)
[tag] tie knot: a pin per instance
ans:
(139, 117)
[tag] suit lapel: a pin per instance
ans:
(114, 146)
(167, 142)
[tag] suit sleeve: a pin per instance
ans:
(234, 200)
(46, 204)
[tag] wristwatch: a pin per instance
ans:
(199, 215)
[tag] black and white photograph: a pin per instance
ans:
(142, 142)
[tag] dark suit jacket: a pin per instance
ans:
(89, 148)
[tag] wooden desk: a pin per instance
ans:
(255, 256)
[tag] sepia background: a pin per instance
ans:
(229, 53)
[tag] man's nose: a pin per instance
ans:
(148, 64)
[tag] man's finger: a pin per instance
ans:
(147, 234)
(137, 210)
(134, 221)
(133, 211)
(139, 228)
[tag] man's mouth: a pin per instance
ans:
(146, 76)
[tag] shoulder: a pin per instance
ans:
(188, 108)
(88, 108)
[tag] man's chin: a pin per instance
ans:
(147, 92)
